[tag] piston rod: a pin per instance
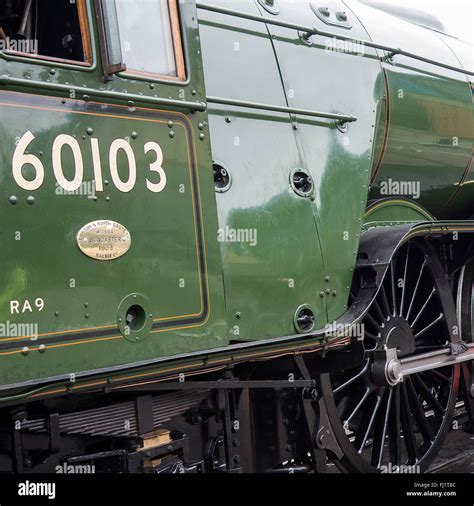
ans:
(434, 360)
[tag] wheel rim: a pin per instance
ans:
(398, 428)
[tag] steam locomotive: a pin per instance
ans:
(236, 236)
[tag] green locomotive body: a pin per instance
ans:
(188, 189)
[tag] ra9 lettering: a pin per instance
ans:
(26, 305)
(62, 142)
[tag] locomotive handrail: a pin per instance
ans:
(342, 118)
(86, 93)
(309, 31)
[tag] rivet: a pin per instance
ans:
(52, 72)
(86, 316)
(327, 278)
(134, 296)
(321, 294)
(56, 313)
(238, 315)
(328, 291)
(30, 199)
(41, 153)
(13, 200)
(107, 199)
(150, 315)
(86, 304)
(324, 11)
(86, 97)
(106, 181)
(202, 136)
(171, 134)
(25, 350)
(201, 126)
(193, 92)
(137, 338)
(341, 16)
(134, 135)
(152, 86)
(42, 348)
(130, 103)
(334, 293)
(90, 131)
(170, 124)
(120, 320)
(227, 119)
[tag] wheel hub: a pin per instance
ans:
(397, 334)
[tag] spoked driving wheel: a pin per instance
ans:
(381, 422)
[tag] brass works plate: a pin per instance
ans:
(104, 240)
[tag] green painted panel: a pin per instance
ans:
(392, 212)
(324, 77)
(431, 132)
(174, 263)
(267, 281)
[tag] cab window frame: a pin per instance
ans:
(181, 77)
(85, 26)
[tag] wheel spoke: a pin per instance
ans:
(408, 428)
(372, 336)
(433, 323)
(394, 291)
(381, 433)
(429, 398)
(430, 296)
(364, 398)
(375, 324)
(379, 311)
(394, 428)
(419, 412)
(415, 290)
(370, 424)
(404, 280)
(437, 376)
(385, 305)
(354, 378)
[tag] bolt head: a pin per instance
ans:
(394, 371)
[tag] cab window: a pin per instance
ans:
(150, 38)
(49, 30)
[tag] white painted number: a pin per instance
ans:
(116, 146)
(22, 159)
(58, 144)
(156, 167)
(99, 187)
